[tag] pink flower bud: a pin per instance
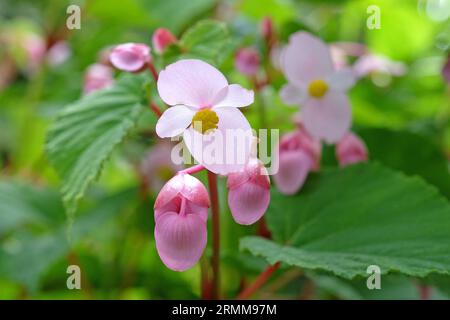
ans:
(298, 154)
(161, 39)
(446, 70)
(249, 193)
(58, 53)
(267, 28)
(97, 77)
(131, 57)
(247, 61)
(181, 211)
(351, 149)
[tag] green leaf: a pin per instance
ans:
(207, 40)
(86, 132)
(21, 203)
(347, 219)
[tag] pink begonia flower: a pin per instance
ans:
(249, 192)
(370, 63)
(446, 70)
(161, 39)
(181, 212)
(247, 61)
(314, 83)
(157, 166)
(340, 51)
(130, 57)
(35, 50)
(351, 149)
(58, 53)
(298, 154)
(97, 76)
(205, 110)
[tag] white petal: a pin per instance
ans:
(234, 96)
(328, 118)
(292, 95)
(306, 58)
(342, 80)
(190, 82)
(174, 121)
(226, 149)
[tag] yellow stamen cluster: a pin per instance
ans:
(317, 88)
(205, 120)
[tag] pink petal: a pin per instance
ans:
(294, 167)
(342, 80)
(174, 205)
(234, 96)
(180, 240)
(327, 118)
(131, 57)
(248, 202)
(190, 82)
(226, 149)
(174, 121)
(305, 59)
(247, 61)
(351, 149)
(186, 185)
(292, 95)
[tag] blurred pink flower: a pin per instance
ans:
(247, 61)
(35, 50)
(249, 192)
(130, 57)
(340, 51)
(351, 149)
(161, 39)
(370, 63)
(58, 53)
(97, 77)
(205, 110)
(157, 166)
(267, 29)
(314, 83)
(181, 212)
(298, 154)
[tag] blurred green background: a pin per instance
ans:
(112, 235)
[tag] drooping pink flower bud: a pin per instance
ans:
(267, 28)
(249, 192)
(247, 61)
(58, 53)
(181, 211)
(351, 149)
(97, 76)
(161, 39)
(298, 154)
(131, 57)
(446, 70)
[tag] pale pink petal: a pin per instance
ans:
(180, 240)
(185, 185)
(234, 96)
(342, 80)
(292, 95)
(174, 205)
(226, 149)
(306, 58)
(327, 118)
(294, 167)
(131, 57)
(248, 202)
(174, 121)
(351, 149)
(190, 82)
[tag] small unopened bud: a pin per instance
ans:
(131, 57)
(247, 61)
(161, 39)
(351, 149)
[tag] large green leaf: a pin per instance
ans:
(207, 40)
(86, 132)
(347, 219)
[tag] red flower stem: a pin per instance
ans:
(259, 282)
(155, 109)
(193, 169)
(153, 71)
(212, 182)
